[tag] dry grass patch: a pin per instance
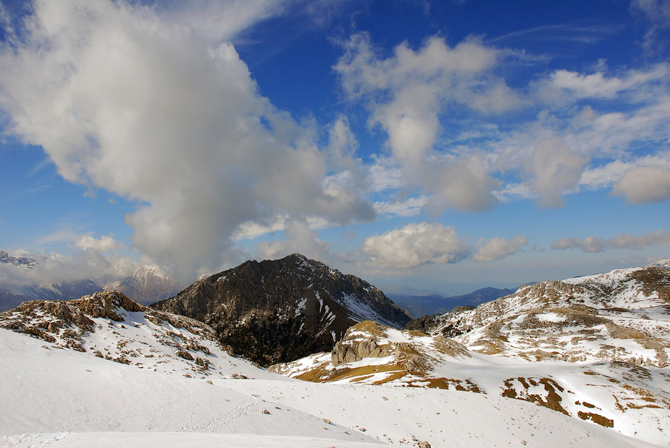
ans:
(596, 418)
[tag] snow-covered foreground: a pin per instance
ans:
(59, 397)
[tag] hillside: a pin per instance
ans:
(281, 310)
(622, 315)
(593, 348)
(67, 398)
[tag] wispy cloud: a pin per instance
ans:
(625, 241)
(574, 32)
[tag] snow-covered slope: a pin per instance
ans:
(630, 399)
(145, 391)
(65, 398)
(109, 325)
(594, 348)
(622, 316)
(51, 393)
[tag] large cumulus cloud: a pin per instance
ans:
(149, 109)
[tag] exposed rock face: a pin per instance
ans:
(408, 357)
(620, 316)
(278, 311)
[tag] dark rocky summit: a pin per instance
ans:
(282, 310)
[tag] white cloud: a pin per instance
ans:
(610, 173)
(511, 192)
(598, 85)
(644, 184)
(125, 101)
(251, 229)
(415, 245)
(555, 170)
(657, 14)
(464, 185)
(299, 239)
(383, 175)
(624, 241)
(407, 92)
(636, 242)
(103, 244)
(497, 248)
(222, 20)
(589, 244)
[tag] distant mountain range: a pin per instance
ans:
(16, 261)
(421, 305)
(146, 285)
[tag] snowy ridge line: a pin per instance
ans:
(109, 325)
(619, 316)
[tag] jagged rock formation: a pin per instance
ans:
(281, 310)
(621, 316)
(146, 284)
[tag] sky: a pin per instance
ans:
(437, 145)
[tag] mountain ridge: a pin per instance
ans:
(279, 310)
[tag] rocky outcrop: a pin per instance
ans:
(409, 354)
(66, 322)
(281, 310)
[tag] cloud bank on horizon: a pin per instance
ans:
(154, 104)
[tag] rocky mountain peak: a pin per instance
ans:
(17, 261)
(146, 284)
(279, 310)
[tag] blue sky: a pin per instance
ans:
(439, 145)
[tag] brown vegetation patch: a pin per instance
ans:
(596, 418)
(552, 400)
(367, 326)
(654, 280)
(447, 383)
(321, 374)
